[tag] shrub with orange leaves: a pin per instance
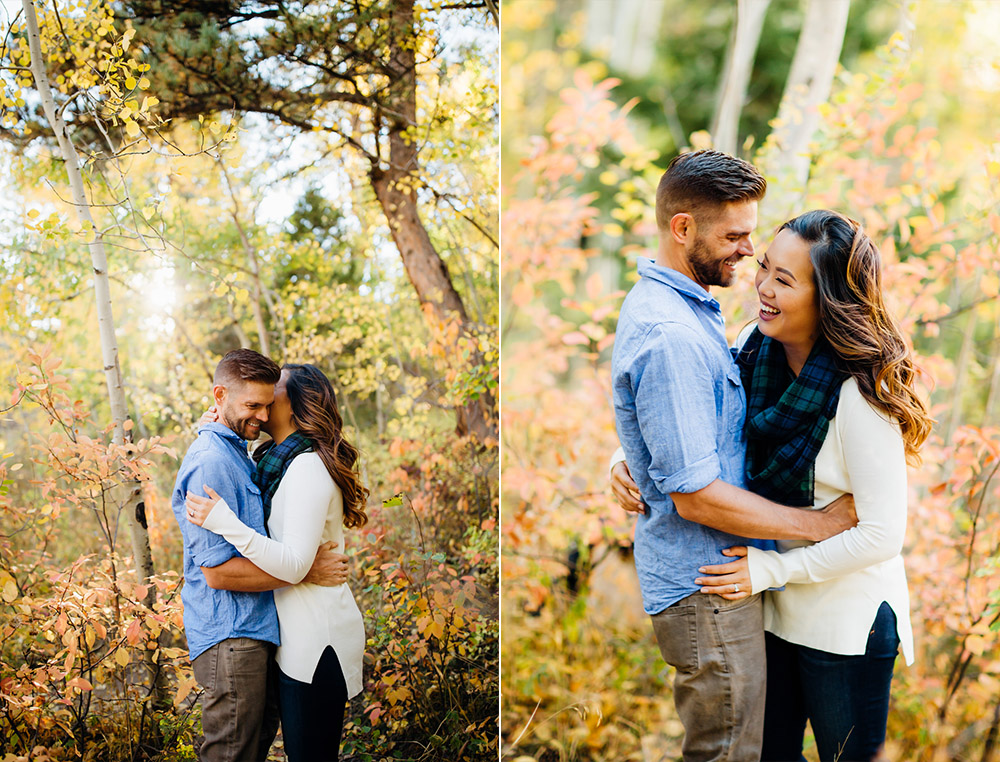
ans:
(81, 653)
(430, 601)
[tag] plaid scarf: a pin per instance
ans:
(787, 417)
(272, 465)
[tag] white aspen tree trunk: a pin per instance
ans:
(647, 34)
(600, 15)
(736, 75)
(132, 504)
(809, 82)
(102, 290)
(624, 23)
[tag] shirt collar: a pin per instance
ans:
(677, 281)
(225, 432)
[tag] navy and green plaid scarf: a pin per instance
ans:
(787, 417)
(272, 465)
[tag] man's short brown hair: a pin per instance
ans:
(702, 182)
(242, 365)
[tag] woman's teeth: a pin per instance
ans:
(769, 310)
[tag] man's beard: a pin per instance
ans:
(708, 270)
(241, 427)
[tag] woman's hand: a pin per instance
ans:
(625, 490)
(732, 580)
(199, 507)
(209, 416)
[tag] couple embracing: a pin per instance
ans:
(776, 465)
(272, 628)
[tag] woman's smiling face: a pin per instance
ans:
(789, 311)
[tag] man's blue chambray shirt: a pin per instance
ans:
(679, 409)
(219, 459)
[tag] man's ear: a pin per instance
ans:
(219, 394)
(682, 228)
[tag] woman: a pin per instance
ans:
(310, 491)
(831, 409)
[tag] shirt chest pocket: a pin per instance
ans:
(734, 407)
(254, 514)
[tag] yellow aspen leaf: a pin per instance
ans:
(10, 591)
(148, 211)
(144, 83)
(90, 636)
(121, 657)
(130, 82)
(184, 686)
(33, 213)
(131, 128)
(436, 628)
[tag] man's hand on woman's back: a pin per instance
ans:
(329, 568)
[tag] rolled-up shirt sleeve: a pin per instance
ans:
(876, 465)
(675, 402)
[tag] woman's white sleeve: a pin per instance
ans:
(308, 491)
(876, 467)
(617, 457)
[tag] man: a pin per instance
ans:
(229, 615)
(679, 409)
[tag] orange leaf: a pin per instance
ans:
(134, 632)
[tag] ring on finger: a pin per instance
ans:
(736, 588)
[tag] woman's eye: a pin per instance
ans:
(783, 283)
(760, 264)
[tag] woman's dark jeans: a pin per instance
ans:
(312, 714)
(845, 698)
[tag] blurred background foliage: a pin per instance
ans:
(597, 99)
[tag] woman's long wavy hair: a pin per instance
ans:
(315, 415)
(847, 270)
